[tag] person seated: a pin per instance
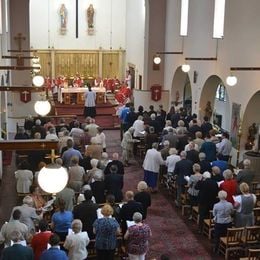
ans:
(61, 220)
(76, 242)
(76, 174)
(49, 124)
(24, 178)
(94, 174)
(13, 225)
(21, 134)
(38, 128)
(54, 251)
(52, 135)
(40, 240)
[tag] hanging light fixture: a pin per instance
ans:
(185, 68)
(42, 107)
(38, 81)
(157, 59)
(231, 80)
(53, 178)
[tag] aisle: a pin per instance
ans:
(170, 233)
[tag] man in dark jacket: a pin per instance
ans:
(86, 211)
(182, 168)
(208, 191)
(127, 211)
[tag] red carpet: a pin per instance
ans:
(171, 234)
(105, 117)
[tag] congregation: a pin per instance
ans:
(91, 212)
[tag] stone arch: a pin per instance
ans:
(221, 109)
(251, 115)
(181, 84)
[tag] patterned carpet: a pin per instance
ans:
(170, 233)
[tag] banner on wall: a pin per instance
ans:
(156, 92)
(25, 96)
(235, 123)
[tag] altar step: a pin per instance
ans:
(106, 113)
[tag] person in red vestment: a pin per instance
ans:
(40, 240)
(229, 185)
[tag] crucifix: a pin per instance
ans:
(26, 93)
(77, 19)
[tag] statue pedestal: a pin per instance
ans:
(254, 157)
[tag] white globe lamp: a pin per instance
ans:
(185, 68)
(38, 81)
(42, 107)
(157, 60)
(53, 178)
(231, 80)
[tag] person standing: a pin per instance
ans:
(152, 161)
(106, 230)
(138, 236)
(17, 251)
(90, 103)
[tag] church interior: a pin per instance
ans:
(195, 59)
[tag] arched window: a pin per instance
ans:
(221, 93)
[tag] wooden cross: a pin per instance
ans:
(19, 38)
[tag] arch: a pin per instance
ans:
(251, 115)
(221, 110)
(181, 86)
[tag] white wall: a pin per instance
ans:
(109, 25)
(239, 48)
(143, 98)
(135, 29)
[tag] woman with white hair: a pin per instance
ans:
(77, 242)
(138, 237)
(28, 213)
(94, 174)
(222, 212)
(171, 161)
(143, 196)
(229, 185)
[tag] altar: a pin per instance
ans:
(76, 95)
